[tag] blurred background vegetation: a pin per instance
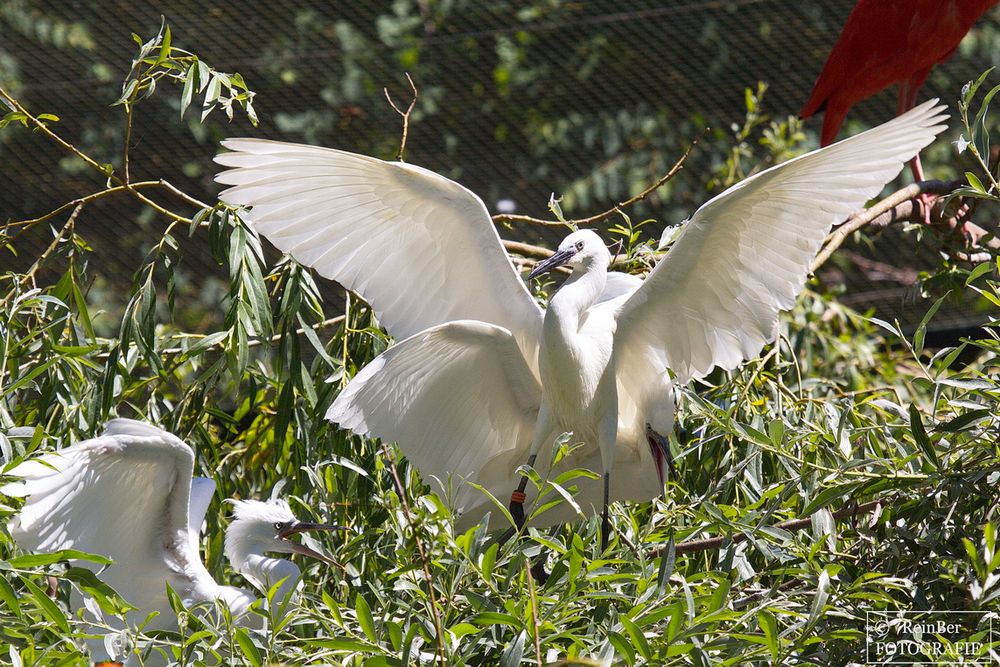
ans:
(518, 100)
(241, 354)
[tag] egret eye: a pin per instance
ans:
(278, 526)
(579, 246)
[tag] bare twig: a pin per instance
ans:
(55, 137)
(404, 114)
(30, 274)
(118, 189)
(503, 218)
(105, 170)
(128, 141)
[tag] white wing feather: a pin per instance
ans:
(419, 248)
(202, 491)
(457, 398)
(743, 257)
(124, 495)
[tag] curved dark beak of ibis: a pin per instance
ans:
(304, 527)
(556, 260)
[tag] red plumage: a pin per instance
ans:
(886, 42)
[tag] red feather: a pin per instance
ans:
(886, 42)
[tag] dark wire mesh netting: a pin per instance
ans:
(591, 101)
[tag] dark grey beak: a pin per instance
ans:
(552, 262)
(302, 527)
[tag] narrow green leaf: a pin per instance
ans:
(190, 81)
(46, 605)
(638, 639)
(828, 495)
(514, 652)
(964, 420)
(974, 181)
(769, 626)
(8, 597)
(250, 649)
(918, 337)
(36, 560)
(164, 47)
(623, 647)
(920, 435)
(365, 619)
(822, 595)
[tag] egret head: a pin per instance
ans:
(266, 527)
(580, 250)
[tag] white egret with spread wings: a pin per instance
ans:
(129, 495)
(481, 378)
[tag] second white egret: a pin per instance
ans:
(129, 495)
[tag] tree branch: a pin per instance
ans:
(504, 218)
(118, 189)
(105, 170)
(900, 206)
(405, 115)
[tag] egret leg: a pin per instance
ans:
(605, 520)
(543, 433)
(518, 497)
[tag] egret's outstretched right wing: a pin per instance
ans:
(713, 300)
(125, 495)
(421, 249)
(454, 397)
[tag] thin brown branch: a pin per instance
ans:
(182, 195)
(128, 140)
(55, 137)
(710, 543)
(527, 249)
(404, 114)
(118, 189)
(103, 169)
(504, 218)
(29, 275)
(884, 211)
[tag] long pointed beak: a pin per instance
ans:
(558, 259)
(303, 527)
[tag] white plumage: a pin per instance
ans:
(129, 495)
(465, 392)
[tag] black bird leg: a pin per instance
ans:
(517, 498)
(516, 506)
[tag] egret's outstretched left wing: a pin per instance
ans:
(455, 398)
(418, 247)
(714, 298)
(124, 495)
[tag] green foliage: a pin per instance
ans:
(842, 410)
